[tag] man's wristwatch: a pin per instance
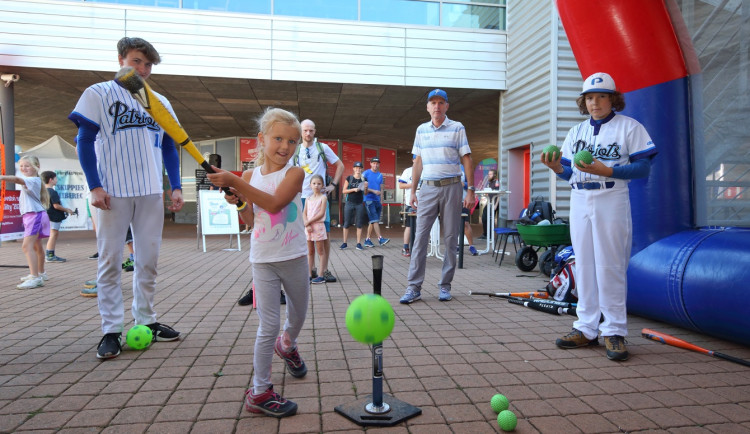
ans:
(335, 185)
(471, 187)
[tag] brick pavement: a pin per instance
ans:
(446, 358)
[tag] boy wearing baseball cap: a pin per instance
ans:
(354, 209)
(600, 221)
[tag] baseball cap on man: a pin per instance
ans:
(438, 92)
(374, 160)
(358, 164)
(599, 82)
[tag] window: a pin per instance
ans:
(473, 16)
(401, 11)
(245, 6)
(341, 9)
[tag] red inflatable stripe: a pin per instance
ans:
(632, 40)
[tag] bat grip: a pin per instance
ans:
(207, 167)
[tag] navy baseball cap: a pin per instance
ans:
(374, 160)
(438, 92)
(599, 82)
(358, 164)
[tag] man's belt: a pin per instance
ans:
(442, 182)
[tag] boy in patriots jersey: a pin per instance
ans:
(122, 149)
(600, 219)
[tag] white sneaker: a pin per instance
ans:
(31, 276)
(36, 282)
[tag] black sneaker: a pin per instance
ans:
(270, 403)
(94, 256)
(329, 278)
(128, 265)
(163, 332)
(110, 346)
(294, 363)
(246, 299)
(283, 298)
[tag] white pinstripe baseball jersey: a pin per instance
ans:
(615, 142)
(128, 145)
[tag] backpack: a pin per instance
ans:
(321, 153)
(538, 210)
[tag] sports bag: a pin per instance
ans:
(562, 285)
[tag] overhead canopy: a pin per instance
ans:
(53, 148)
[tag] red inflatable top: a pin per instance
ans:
(632, 40)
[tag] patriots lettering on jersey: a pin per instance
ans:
(602, 152)
(125, 117)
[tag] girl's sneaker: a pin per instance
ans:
(43, 275)
(294, 363)
(270, 403)
(34, 282)
(317, 280)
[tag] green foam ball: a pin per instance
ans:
(551, 152)
(584, 156)
(370, 319)
(499, 403)
(139, 337)
(507, 420)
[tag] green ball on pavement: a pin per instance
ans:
(551, 153)
(370, 319)
(499, 403)
(507, 420)
(584, 156)
(139, 337)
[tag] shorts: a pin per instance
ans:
(129, 236)
(374, 208)
(318, 232)
(354, 213)
(36, 223)
(55, 225)
(408, 220)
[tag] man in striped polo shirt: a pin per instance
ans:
(441, 148)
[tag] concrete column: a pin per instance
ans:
(7, 127)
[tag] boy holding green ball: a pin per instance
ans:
(600, 220)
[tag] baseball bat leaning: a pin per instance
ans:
(530, 294)
(129, 80)
(543, 306)
(677, 342)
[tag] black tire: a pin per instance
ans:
(547, 262)
(526, 258)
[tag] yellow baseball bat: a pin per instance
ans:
(129, 80)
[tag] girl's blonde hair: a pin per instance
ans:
(43, 194)
(270, 117)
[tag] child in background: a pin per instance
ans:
(34, 201)
(277, 252)
(56, 213)
(314, 219)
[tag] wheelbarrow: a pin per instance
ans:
(536, 238)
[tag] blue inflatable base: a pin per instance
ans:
(697, 279)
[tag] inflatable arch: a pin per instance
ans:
(691, 277)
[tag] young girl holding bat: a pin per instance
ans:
(314, 217)
(278, 254)
(34, 201)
